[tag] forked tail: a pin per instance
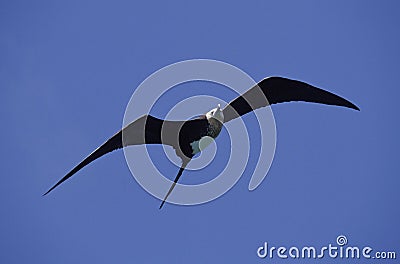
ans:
(175, 181)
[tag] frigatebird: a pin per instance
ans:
(191, 136)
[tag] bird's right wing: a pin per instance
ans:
(145, 130)
(276, 90)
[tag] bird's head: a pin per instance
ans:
(216, 113)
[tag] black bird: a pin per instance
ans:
(192, 136)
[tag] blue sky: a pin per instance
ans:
(68, 69)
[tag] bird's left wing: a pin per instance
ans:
(145, 130)
(276, 90)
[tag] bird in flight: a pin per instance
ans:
(191, 136)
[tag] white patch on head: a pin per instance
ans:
(216, 113)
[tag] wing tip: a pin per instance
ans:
(355, 107)
(349, 104)
(346, 103)
(52, 188)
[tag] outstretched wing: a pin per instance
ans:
(276, 90)
(145, 130)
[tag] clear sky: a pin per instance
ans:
(68, 69)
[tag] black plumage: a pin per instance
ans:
(185, 136)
